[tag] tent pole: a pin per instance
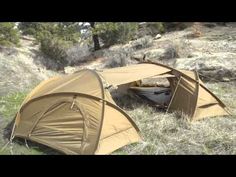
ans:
(197, 93)
(173, 94)
(202, 85)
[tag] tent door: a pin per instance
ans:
(62, 124)
(184, 98)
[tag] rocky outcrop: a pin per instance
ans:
(156, 54)
(214, 67)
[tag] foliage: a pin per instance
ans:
(115, 32)
(9, 104)
(55, 38)
(55, 49)
(66, 31)
(159, 26)
(151, 28)
(9, 34)
(172, 26)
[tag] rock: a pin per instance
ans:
(150, 28)
(171, 52)
(209, 25)
(215, 67)
(140, 43)
(155, 54)
(226, 79)
(138, 56)
(69, 69)
(158, 36)
(151, 54)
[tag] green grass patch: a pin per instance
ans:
(10, 104)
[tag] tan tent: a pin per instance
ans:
(76, 114)
(189, 95)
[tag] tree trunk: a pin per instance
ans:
(95, 38)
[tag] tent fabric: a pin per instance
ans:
(158, 95)
(128, 74)
(187, 91)
(76, 113)
(193, 99)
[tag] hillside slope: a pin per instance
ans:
(22, 67)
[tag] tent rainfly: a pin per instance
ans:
(75, 114)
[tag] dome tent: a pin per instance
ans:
(76, 114)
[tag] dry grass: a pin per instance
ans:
(166, 134)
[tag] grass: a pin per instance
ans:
(162, 133)
(166, 134)
(9, 105)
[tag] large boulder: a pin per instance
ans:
(156, 54)
(150, 28)
(214, 67)
(141, 43)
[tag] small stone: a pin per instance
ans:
(225, 79)
(158, 36)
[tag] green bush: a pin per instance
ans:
(28, 28)
(54, 38)
(114, 33)
(155, 27)
(9, 35)
(65, 31)
(55, 49)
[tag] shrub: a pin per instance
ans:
(9, 35)
(141, 43)
(150, 29)
(116, 33)
(55, 38)
(172, 26)
(156, 27)
(78, 53)
(171, 52)
(56, 50)
(65, 31)
(118, 56)
(28, 28)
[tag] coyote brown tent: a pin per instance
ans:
(189, 95)
(76, 114)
